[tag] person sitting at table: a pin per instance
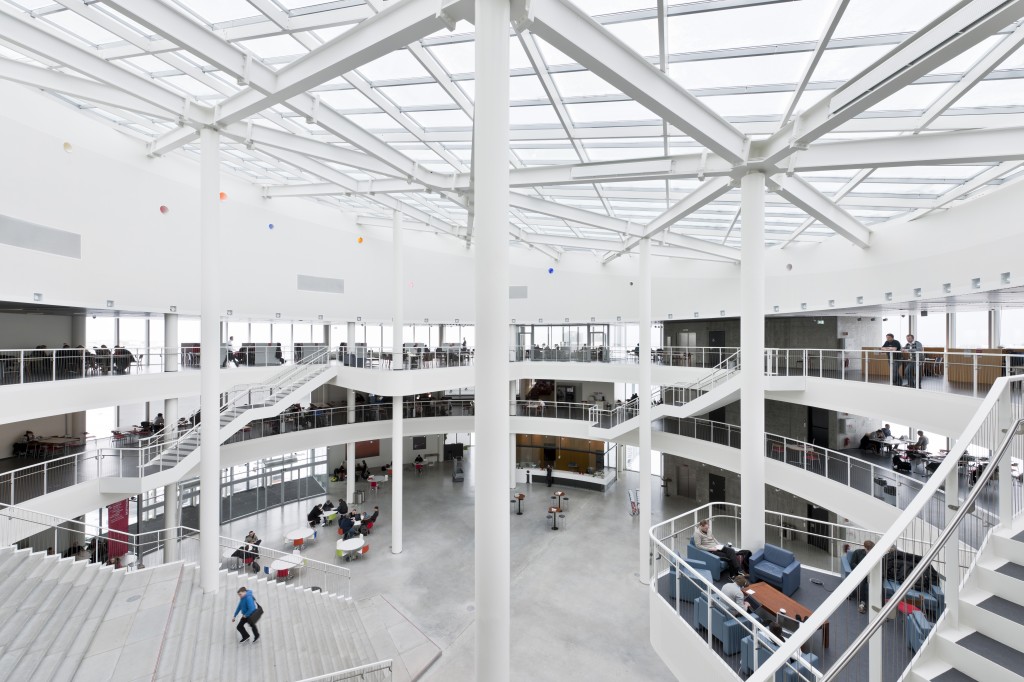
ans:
(703, 538)
(345, 527)
(921, 445)
(734, 591)
(314, 516)
(418, 463)
(123, 359)
(103, 358)
(342, 507)
(251, 538)
(328, 505)
(158, 421)
(368, 522)
(887, 431)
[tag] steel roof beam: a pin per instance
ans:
(801, 194)
(957, 30)
(974, 75)
(32, 37)
(572, 31)
(79, 88)
(394, 28)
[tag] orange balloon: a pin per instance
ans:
(164, 209)
(359, 240)
(223, 196)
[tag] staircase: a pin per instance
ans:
(720, 387)
(72, 620)
(986, 644)
(161, 463)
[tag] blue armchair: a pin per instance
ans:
(714, 563)
(777, 567)
(918, 629)
(689, 587)
(724, 627)
(794, 672)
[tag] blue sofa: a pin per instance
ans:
(765, 649)
(724, 627)
(713, 562)
(689, 588)
(776, 566)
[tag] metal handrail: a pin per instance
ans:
(950, 531)
(929, 491)
(359, 671)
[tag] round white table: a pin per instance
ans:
(299, 536)
(350, 546)
(285, 563)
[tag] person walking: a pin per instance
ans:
(251, 613)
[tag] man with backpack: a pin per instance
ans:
(251, 613)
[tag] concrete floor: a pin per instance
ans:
(579, 611)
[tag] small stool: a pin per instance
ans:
(561, 519)
(565, 503)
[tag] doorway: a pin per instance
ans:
(817, 426)
(716, 340)
(716, 488)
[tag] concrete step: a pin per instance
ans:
(99, 600)
(22, 614)
(173, 643)
(39, 632)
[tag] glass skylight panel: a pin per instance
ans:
(600, 7)
(80, 29)
(425, 94)
(582, 84)
(994, 94)
(445, 118)
(878, 17)
(274, 47)
(842, 64)
(912, 97)
(777, 23)
(639, 36)
(219, 11)
(524, 88)
(763, 104)
(374, 121)
(146, 63)
(347, 100)
(545, 156)
(761, 70)
(455, 57)
(610, 112)
(188, 85)
(519, 116)
(957, 173)
(394, 65)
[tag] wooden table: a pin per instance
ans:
(773, 600)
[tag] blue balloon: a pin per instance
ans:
(551, 271)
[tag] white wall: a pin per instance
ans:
(110, 192)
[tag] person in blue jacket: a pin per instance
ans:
(251, 613)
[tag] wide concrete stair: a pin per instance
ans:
(72, 620)
(988, 642)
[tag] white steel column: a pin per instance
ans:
(171, 517)
(490, 276)
(350, 402)
(752, 380)
(397, 360)
(511, 437)
(78, 422)
(209, 352)
(643, 392)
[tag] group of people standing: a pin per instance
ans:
(907, 370)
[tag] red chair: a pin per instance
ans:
(282, 574)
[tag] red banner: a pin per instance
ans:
(117, 520)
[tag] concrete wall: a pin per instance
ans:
(18, 330)
(56, 425)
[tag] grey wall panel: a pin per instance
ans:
(327, 285)
(26, 235)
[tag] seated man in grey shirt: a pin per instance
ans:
(734, 591)
(737, 559)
